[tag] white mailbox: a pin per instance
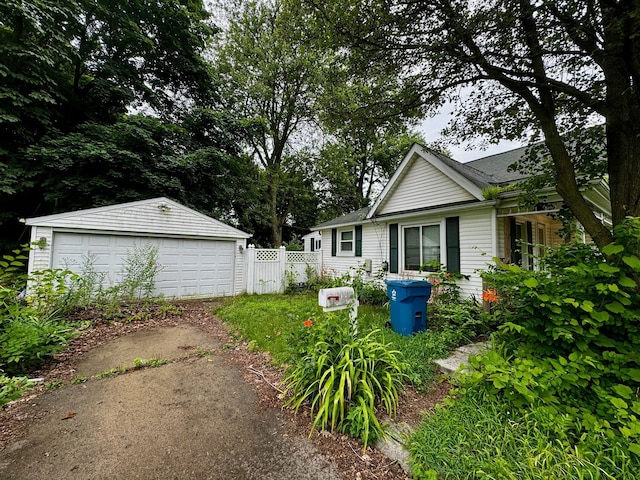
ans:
(335, 298)
(339, 298)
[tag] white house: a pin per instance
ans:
(199, 256)
(312, 241)
(435, 208)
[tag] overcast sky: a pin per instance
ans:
(431, 128)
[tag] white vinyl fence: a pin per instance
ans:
(270, 270)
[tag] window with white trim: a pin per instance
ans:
(421, 245)
(345, 242)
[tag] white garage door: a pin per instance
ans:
(190, 268)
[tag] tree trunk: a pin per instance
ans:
(623, 142)
(273, 179)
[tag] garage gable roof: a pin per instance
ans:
(154, 216)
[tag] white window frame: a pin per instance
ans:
(443, 239)
(346, 253)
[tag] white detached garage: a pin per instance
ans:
(199, 256)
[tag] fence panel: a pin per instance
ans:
(269, 270)
(301, 264)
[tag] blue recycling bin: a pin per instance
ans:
(408, 305)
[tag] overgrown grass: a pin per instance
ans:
(480, 437)
(270, 321)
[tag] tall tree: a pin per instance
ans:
(69, 73)
(271, 75)
(141, 157)
(353, 167)
(548, 67)
(368, 134)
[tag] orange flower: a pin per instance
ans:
(490, 295)
(308, 322)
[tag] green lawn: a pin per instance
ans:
(268, 321)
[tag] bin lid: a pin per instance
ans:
(408, 283)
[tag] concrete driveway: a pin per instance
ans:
(194, 418)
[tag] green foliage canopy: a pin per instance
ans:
(530, 70)
(73, 72)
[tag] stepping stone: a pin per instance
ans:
(460, 356)
(392, 444)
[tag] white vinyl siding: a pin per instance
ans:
(422, 185)
(476, 248)
(373, 248)
(202, 256)
(40, 257)
(144, 216)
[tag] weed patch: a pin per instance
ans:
(478, 436)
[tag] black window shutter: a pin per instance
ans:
(358, 240)
(313, 244)
(453, 244)
(393, 248)
(334, 241)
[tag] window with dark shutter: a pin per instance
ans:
(334, 241)
(453, 244)
(393, 248)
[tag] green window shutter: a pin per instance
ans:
(358, 240)
(393, 248)
(453, 244)
(334, 241)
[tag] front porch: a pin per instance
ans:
(524, 236)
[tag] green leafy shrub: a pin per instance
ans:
(12, 388)
(48, 290)
(570, 336)
(28, 340)
(89, 288)
(448, 310)
(31, 329)
(343, 379)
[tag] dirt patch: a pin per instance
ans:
(200, 416)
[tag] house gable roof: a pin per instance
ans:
(154, 216)
(467, 182)
(471, 177)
